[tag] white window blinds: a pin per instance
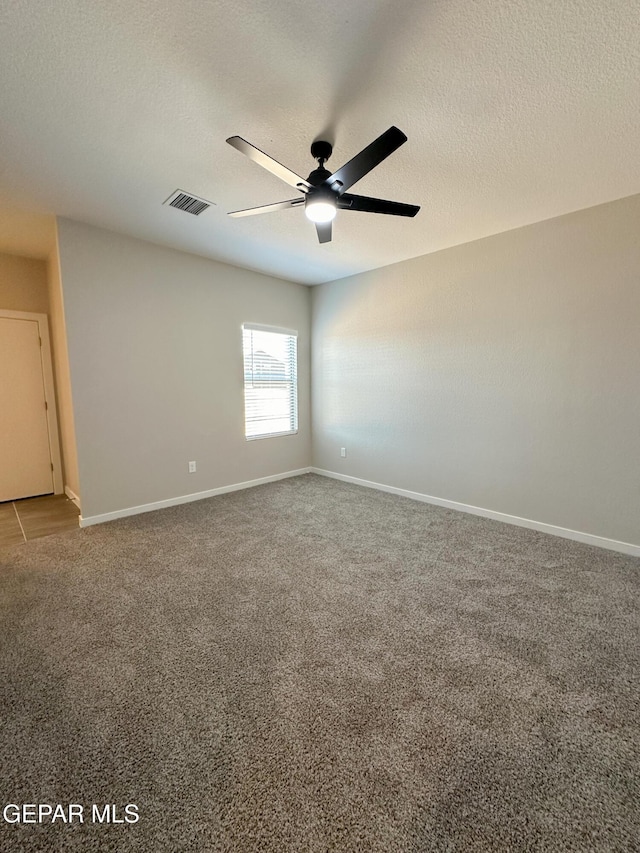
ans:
(270, 381)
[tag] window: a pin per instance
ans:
(270, 381)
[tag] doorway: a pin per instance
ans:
(30, 461)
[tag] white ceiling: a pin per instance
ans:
(515, 110)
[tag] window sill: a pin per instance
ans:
(270, 435)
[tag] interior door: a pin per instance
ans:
(25, 455)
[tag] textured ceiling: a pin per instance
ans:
(516, 111)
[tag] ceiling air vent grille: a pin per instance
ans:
(187, 202)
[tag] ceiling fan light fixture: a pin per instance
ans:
(320, 211)
(323, 193)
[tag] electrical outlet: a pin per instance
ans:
(343, 452)
(192, 467)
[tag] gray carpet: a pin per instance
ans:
(312, 666)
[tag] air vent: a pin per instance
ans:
(187, 202)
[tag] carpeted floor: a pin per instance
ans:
(312, 666)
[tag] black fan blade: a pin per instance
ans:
(367, 159)
(324, 231)
(375, 205)
(268, 163)
(267, 208)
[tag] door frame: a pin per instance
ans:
(49, 390)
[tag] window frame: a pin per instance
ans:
(291, 382)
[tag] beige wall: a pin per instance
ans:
(155, 352)
(503, 374)
(23, 284)
(62, 377)
(29, 284)
(31, 235)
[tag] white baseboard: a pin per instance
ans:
(578, 536)
(183, 499)
(72, 496)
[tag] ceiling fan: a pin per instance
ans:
(323, 193)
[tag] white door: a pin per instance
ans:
(25, 455)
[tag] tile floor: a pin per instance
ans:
(30, 518)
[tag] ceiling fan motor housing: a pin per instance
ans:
(318, 176)
(320, 194)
